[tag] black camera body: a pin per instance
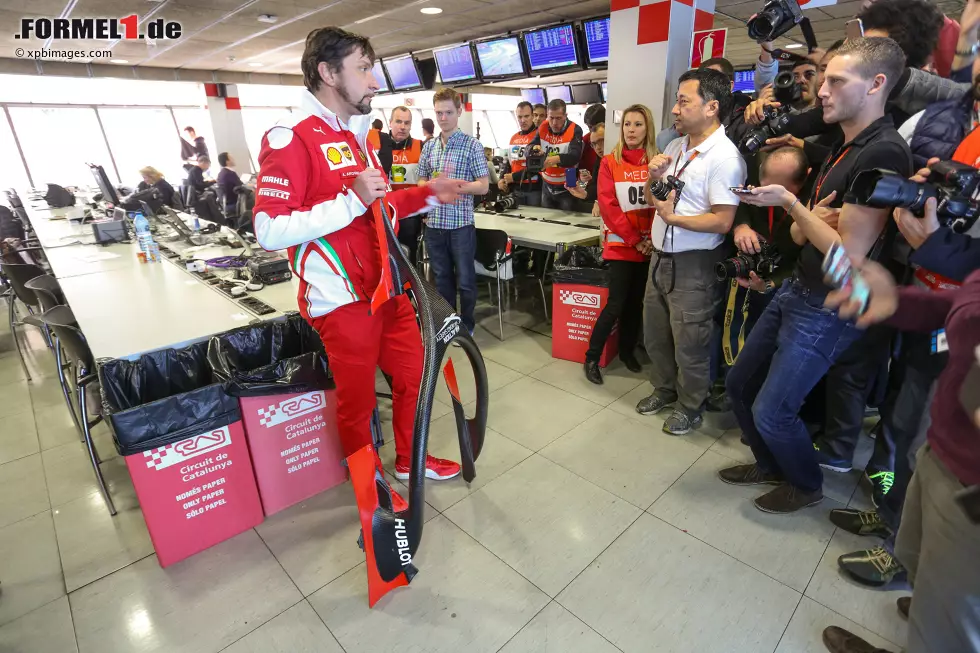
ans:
(763, 264)
(776, 18)
(535, 161)
(776, 119)
(661, 187)
(952, 184)
(505, 203)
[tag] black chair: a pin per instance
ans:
(62, 322)
(492, 255)
(177, 202)
(17, 276)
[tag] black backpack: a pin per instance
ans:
(57, 197)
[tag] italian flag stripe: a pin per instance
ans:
(330, 255)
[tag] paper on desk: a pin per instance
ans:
(95, 257)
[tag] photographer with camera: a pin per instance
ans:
(561, 141)
(769, 383)
(690, 188)
(527, 181)
(586, 189)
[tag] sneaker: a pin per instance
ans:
(680, 423)
(437, 469)
(631, 363)
(828, 461)
(748, 475)
(875, 567)
(860, 522)
(904, 605)
(655, 403)
(718, 403)
(838, 640)
(786, 499)
(592, 372)
(881, 484)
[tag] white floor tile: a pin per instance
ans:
(463, 599)
(543, 521)
(29, 567)
(522, 350)
(70, 474)
(873, 609)
(785, 547)
(55, 426)
(11, 371)
(46, 391)
(18, 436)
(703, 437)
(569, 376)
(658, 590)
(14, 398)
(623, 456)
(46, 630)
(730, 446)
(556, 630)
(23, 492)
(199, 605)
(297, 630)
(498, 376)
(534, 413)
(804, 634)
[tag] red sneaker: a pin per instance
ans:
(437, 469)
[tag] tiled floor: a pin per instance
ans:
(587, 530)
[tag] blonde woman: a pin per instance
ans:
(154, 190)
(626, 245)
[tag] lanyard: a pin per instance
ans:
(823, 177)
(694, 155)
(772, 234)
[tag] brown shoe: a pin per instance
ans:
(838, 640)
(748, 475)
(904, 605)
(786, 499)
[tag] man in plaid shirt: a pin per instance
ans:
(450, 235)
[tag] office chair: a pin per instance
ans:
(17, 276)
(62, 322)
(492, 256)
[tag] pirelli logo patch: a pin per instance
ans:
(338, 155)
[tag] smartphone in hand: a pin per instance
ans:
(740, 190)
(571, 176)
(839, 273)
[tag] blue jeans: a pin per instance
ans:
(452, 255)
(790, 348)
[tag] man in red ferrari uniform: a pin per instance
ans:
(318, 177)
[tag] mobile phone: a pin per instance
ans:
(571, 176)
(840, 274)
(740, 190)
(854, 29)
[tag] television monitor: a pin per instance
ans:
(403, 73)
(379, 74)
(551, 48)
(456, 64)
(102, 181)
(533, 95)
(745, 80)
(555, 92)
(605, 93)
(596, 40)
(500, 58)
(586, 94)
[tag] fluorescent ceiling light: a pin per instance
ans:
(256, 64)
(793, 46)
(431, 10)
(119, 60)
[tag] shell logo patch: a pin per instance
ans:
(338, 155)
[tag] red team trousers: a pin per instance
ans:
(357, 343)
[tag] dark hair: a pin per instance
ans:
(723, 63)
(223, 159)
(428, 126)
(913, 24)
(377, 124)
(539, 106)
(712, 85)
(877, 56)
(524, 103)
(594, 115)
(330, 45)
(557, 104)
(802, 62)
(190, 129)
(802, 164)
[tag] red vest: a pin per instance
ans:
(555, 144)
(405, 165)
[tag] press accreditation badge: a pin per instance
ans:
(939, 344)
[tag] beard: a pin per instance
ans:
(362, 106)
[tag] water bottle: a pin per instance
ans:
(143, 236)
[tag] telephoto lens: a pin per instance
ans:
(737, 267)
(505, 203)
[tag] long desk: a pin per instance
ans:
(531, 230)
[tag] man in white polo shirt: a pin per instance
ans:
(688, 237)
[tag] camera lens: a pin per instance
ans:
(764, 24)
(885, 189)
(660, 190)
(732, 268)
(755, 140)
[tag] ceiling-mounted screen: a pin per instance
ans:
(500, 58)
(586, 94)
(403, 73)
(559, 92)
(379, 74)
(551, 48)
(533, 95)
(596, 40)
(456, 64)
(745, 80)
(605, 93)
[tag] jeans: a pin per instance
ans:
(528, 197)
(627, 282)
(452, 255)
(792, 345)
(563, 201)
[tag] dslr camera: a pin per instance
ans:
(738, 267)
(776, 18)
(535, 161)
(787, 92)
(505, 203)
(953, 184)
(661, 188)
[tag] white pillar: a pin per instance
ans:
(226, 123)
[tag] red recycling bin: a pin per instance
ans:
(575, 307)
(196, 492)
(296, 450)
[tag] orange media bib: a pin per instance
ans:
(405, 165)
(518, 151)
(555, 144)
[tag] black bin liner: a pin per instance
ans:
(276, 357)
(163, 397)
(587, 276)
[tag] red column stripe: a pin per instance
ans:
(211, 90)
(232, 103)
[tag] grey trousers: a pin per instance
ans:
(678, 323)
(939, 546)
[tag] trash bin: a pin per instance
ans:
(578, 296)
(278, 371)
(184, 445)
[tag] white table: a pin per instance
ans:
(571, 217)
(537, 234)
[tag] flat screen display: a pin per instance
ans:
(555, 92)
(745, 81)
(597, 39)
(403, 73)
(552, 47)
(456, 64)
(379, 74)
(586, 94)
(500, 57)
(533, 95)
(605, 94)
